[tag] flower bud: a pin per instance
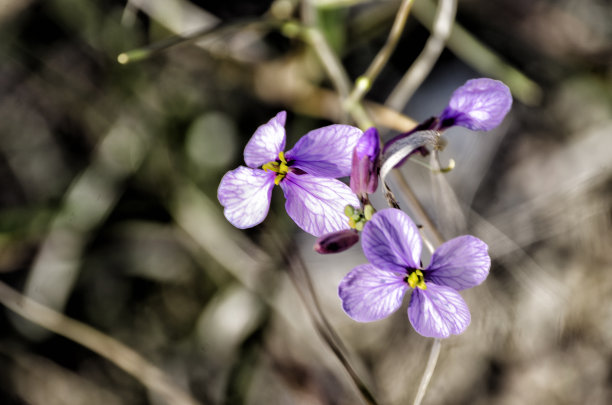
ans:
(365, 164)
(336, 242)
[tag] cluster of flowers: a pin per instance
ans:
(320, 205)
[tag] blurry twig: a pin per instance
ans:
(194, 213)
(129, 13)
(282, 81)
(416, 208)
(448, 213)
(205, 33)
(429, 369)
(337, 74)
(473, 52)
(297, 271)
(364, 82)
(416, 74)
(119, 354)
(332, 64)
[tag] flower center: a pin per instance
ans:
(416, 279)
(279, 166)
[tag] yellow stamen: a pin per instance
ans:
(282, 168)
(416, 280)
(271, 166)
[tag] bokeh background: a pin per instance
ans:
(108, 209)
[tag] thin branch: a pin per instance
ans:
(482, 58)
(416, 207)
(364, 82)
(322, 325)
(119, 354)
(208, 32)
(330, 60)
(429, 369)
(419, 70)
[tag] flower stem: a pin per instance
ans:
(416, 207)
(364, 82)
(217, 30)
(297, 271)
(429, 369)
(480, 57)
(412, 79)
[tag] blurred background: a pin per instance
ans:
(108, 208)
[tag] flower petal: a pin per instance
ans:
(369, 294)
(316, 204)
(365, 163)
(480, 105)
(459, 263)
(438, 311)
(368, 145)
(267, 141)
(245, 195)
(326, 152)
(391, 241)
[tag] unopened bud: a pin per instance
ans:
(365, 164)
(336, 242)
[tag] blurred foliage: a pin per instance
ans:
(108, 208)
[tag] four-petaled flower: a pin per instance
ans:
(392, 245)
(306, 174)
(480, 105)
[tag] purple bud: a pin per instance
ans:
(479, 105)
(365, 164)
(336, 242)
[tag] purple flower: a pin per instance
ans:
(306, 174)
(365, 164)
(391, 243)
(479, 105)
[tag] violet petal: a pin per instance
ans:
(267, 141)
(360, 174)
(245, 195)
(316, 204)
(438, 311)
(391, 241)
(368, 145)
(369, 294)
(459, 263)
(325, 152)
(480, 105)
(365, 163)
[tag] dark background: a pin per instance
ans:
(108, 208)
